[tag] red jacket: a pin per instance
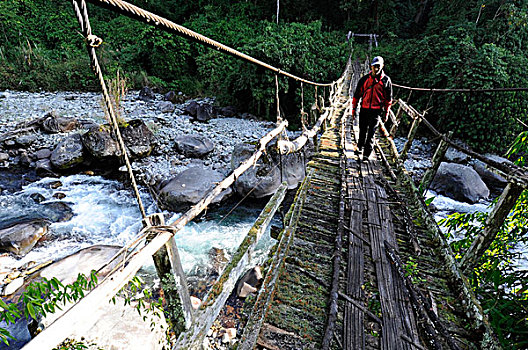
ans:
(374, 92)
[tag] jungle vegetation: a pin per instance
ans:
(437, 44)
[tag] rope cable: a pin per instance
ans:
(153, 19)
(459, 90)
(82, 15)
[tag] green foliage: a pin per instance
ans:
(43, 297)
(501, 288)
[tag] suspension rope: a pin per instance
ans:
(138, 13)
(459, 90)
(82, 16)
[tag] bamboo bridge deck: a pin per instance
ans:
(383, 303)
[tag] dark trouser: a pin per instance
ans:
(368, 121)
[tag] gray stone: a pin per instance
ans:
(26, 140)
(43, 167)
(191, 108)
(204, 112)
(167, 107)
(21, 237)
(146, 94)
(455, 156)
(42, 153)
(188, 187)
(100, 143)
(194, 146)
(265, 177)
(4, 157)
(459, 182)
(138, 138)
(495, 182)
(68, 153)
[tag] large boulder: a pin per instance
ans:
(494, 181)
(99, 143)
(193, 146)
(188, 187)
(21, 237)
(138, 138)
(146, 94)
(459, 182)
(68, 153)
(204, 112)
(265, 177)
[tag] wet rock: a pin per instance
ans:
(43, 167)
(204, 112)
(24, 159)
(37, 197)
(188, 187)
(4, 157)
(57, 211)
(249, 282)
(459, 182)
(55, 184)
(59, 195)
(193, 146)
(68, 153)
(21, 237)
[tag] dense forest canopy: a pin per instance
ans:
(426, 43)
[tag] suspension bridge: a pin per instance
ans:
(360, 262)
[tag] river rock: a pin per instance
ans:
(4, 157)
(53, 123)
(68, 153)
(191, 108)
(43, 167)
(146, 94)
(21, 237)
(26, 140)
(100, 143)
(459, 182)
(193, 146)
(188, 187)
(495, 182)
(138, 138)
(455, 156)
(228, 111)
(265, 177)
(57, 211)
(166, 107)
(42, 153)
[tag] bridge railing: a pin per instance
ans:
(516, 176)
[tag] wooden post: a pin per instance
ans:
(436, 160)
(410, 137)
(496, 218)
(397, 118)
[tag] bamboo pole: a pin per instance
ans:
(410, 137)
(493, 223)
(436, 160)
(87, 311)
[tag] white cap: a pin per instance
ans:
(378, 60)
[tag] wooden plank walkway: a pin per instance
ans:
(377, 306)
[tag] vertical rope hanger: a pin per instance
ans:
(92, 42)
(279, 120)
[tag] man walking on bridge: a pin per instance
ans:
(375, 92)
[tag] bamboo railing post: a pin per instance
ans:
(436, 160)
(397, 118)
(414, 127)
(496, 218)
